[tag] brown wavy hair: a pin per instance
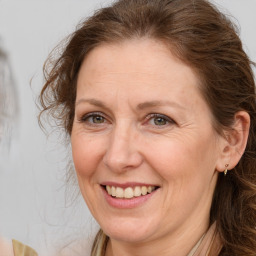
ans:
(205, 39)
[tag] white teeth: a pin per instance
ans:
(113, 191)
(129, 192)
(108, 190)
(119, 192)
(144, 190)
(137, 191)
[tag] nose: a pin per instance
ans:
(122, 152)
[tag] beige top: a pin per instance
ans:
(22, 250)
(15, 248)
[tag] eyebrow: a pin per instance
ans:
(140, 106)
(158, 103)
(92, 102)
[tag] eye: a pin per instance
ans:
(93, 118)
(159, 120)
(96, 119)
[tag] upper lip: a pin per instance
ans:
(127, 184)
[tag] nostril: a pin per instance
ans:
(123, 162)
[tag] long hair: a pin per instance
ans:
(8, 103)
(205, 39)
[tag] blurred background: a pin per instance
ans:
(36, 206)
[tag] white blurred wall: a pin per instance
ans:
(33, 208)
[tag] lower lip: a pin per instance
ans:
(122, 203)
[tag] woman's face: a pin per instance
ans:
(143, 143)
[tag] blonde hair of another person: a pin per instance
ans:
(8, 104)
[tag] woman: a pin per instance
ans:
(158, 99)
(8, 110)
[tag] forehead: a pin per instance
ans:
(133, 50)
(134, 59)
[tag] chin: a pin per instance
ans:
(130, 231)
(128, 237)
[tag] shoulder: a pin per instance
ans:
(6, 248)
(20, 249)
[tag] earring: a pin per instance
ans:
(226, 170)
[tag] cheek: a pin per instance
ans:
(183, 167)
(169, 157)
(87, 154)
(185, 160)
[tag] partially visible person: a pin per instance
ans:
(6, 248)
(8, 112)
(8, 102)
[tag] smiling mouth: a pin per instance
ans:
(129, 192)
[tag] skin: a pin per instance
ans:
(115, 138)
(6, 247)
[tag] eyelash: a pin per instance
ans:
(85, 118)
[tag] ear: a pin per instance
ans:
(233, 145)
